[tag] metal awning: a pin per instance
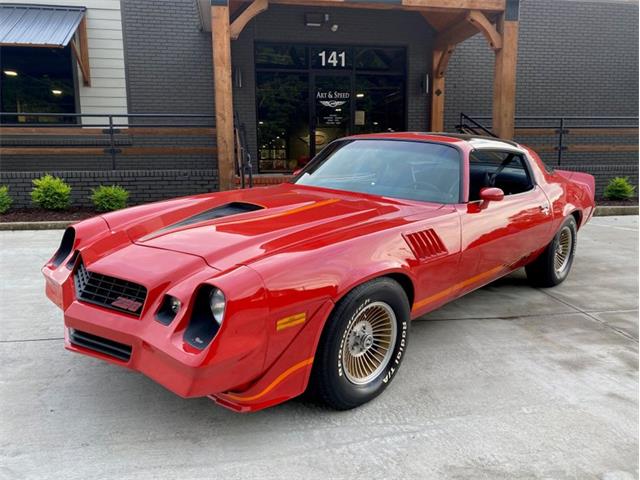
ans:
(38, 25)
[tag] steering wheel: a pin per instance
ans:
(421, 184)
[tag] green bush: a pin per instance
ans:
(51, 193)
(5, 199)
(108, 198)
(619, 188)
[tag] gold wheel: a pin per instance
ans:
(369, 342)
(562, 254)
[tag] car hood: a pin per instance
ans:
(258, 222)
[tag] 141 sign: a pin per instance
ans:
(332, 58)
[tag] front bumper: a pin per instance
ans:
(153, 353)
(235, 357)
(248, 366)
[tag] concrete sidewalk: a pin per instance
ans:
(509, 382)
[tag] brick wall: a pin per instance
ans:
(167, 57)
(575, 58)
(143, 185)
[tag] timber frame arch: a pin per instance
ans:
(453, 21)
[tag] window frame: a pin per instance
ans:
(75, 115)
(336, 144)
(505, 151)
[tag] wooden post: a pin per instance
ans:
(437, 93)
(223, 93)
(504, 80)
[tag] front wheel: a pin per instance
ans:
(554, 264)
(362, 345)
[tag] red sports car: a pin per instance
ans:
(252, 296)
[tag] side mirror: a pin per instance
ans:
(491, 194)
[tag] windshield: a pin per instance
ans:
(411, 170)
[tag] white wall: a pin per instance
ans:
(107, 93)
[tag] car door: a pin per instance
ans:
(498, 234)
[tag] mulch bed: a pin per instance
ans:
(617, 203)
(41, 215)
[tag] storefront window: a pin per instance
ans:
(380, 103)
(307, 96)
(380, 59)
(281, 56)
(283, 121)
(37, 80)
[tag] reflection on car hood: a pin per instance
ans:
(284, 217)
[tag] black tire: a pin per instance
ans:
(543, 271)
(371, 300)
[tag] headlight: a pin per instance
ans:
(217, 302)
(168, 309)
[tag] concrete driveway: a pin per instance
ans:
(509, 382)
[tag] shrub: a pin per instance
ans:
(619, 188)
(108, 198)
(51, 193)
(5, 199)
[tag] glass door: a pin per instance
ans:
(331, 113)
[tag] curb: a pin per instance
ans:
(611, 210)
(603, 211)
(57, 225)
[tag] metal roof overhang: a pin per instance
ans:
(38, 25)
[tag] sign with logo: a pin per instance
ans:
(333, 101)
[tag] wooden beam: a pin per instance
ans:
(455, 34)
(168, 150)
(602, 148)
(441, 21)
(444, 6)
(443, 61)
(256, 8)
(437, 94)
(482, 23)
(50, 131)
(80, 49)
(468, 26)
(504, 80)
(223, 93)
(67, 151)
(449, 5)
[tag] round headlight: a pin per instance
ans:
(218, 302)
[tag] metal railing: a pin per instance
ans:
(565, 134)
(244, 167)
(115, 133)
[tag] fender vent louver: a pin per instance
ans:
(425, 244)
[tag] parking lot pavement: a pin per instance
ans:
(509, 382)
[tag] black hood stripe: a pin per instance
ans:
(225, 210)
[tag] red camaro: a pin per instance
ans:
(250, 296)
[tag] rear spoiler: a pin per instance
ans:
(585, 180)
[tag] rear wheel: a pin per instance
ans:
(362, 345)
(554, 264)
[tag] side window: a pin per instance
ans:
(493, 168)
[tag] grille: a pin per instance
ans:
(109, 292)
(100, 344)
(425, 244)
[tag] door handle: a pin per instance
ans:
(544, 208)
